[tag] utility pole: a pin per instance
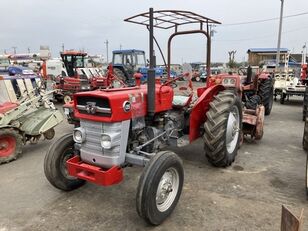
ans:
(14, 48)
(28, 50)
(106, 42)
(120, 46)
(212, 30)
(62, 47)
(304, 54)
(279, 36)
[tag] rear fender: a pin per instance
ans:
(198, 113)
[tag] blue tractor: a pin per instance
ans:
(127, 62)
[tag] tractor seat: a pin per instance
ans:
(180, 101)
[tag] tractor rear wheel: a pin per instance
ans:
(305, 104)
(266, 92)
(55, 164)
(120, 74)
(305, 136)
(223, 129)
(10, 145)
(160, 187)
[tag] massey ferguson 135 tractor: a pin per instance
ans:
(130, 126)
(26, 114)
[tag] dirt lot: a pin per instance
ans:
(246, 196)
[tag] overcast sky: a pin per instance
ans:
(81, 24)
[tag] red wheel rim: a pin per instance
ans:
(7, 145)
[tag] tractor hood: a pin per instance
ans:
(114, 105)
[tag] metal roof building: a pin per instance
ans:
(257, 56)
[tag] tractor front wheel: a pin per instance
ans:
(10, 144)
(223, 129)
(266, 92)
(160, 187)
(55, 164)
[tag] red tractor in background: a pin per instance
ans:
(128, 126)
(79, 77)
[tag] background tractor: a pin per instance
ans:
(130, 126)
(26, 114)
(258, 88)
(78, 78)
(127, 62)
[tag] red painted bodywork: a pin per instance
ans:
(94, 174)
(7, 106)
(198, 113)
(136, 95)
(304, 72)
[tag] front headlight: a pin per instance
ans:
(79, 135)
(106, 141)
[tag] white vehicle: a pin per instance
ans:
(4, 62)
(55, 67)
(286, 85)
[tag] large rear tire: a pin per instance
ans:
(223, 129)
(305, 135)
(10, 145)
(55, 164)
(305, 104)
(266, 92)
(160, 187)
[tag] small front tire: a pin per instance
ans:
(55, 164)
(160, 187)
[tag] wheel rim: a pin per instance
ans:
(7, 146)
(167, 189)
(233, 129)
(67, 99)
(67, 154)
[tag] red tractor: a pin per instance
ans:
(131, 125)
(79, 78)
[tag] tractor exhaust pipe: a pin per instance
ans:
(151, 70)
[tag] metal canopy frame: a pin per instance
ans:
(167, 19)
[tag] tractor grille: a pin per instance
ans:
(94, 131)
(91, 150)
(94, 105)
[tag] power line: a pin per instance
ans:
(263, 20)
